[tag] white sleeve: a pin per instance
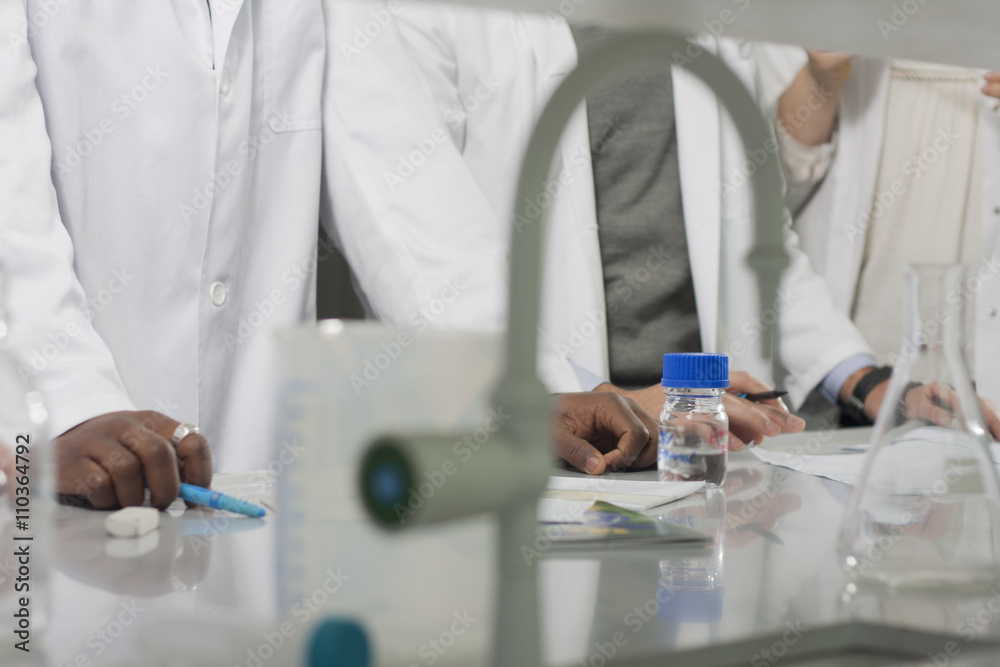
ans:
(815, 335)
(424, 244)
(804, 166)
(777, 66)
(50, 331)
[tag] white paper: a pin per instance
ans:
(847, 468)
(576, 492)
(560, 510)
(844, 468)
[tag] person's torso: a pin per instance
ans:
(186, 158)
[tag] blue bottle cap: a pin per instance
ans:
(696, 371)
(338, 641)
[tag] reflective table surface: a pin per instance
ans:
(769, 588)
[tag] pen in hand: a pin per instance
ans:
(764, 395)
(201, 496)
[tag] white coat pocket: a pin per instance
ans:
(291, 39)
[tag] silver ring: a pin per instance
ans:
(182, 431)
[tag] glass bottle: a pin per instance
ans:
(694, 426)
(926, 511)
(26, 515)
(696, 569)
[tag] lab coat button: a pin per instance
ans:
(991, 311)
(994, 105)
(217, 293)
(996, 210)
(224, 83)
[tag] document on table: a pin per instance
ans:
(609, 526)
(846, 467)
(994, 450)
(566, 498)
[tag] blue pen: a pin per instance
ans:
(220, 501)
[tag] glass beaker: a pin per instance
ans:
(926, 511)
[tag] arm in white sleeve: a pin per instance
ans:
(835, 379)
(50, 331)
(804, 166)
(816, 337)
(424, 244)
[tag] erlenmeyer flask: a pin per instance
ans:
(926, 511)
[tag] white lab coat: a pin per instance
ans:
(186, 154)
(833, 222)
(42, 297)
(491, 73)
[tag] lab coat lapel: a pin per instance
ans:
(555, 55)
(697, 114)
(862, 115)
(224, 13)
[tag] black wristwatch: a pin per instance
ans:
(855, 405)
(901, 408)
